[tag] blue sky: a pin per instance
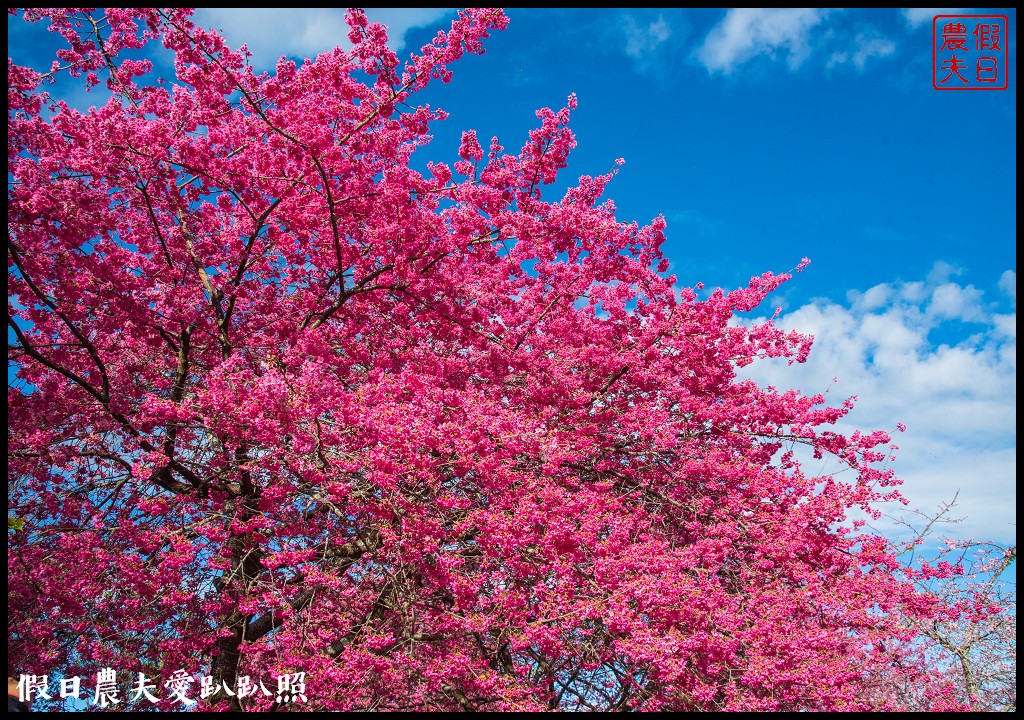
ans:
(764, 136)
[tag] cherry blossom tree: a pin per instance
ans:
(282, 404)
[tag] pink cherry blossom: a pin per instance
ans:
(442, 442)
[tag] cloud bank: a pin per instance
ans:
(306, 32)
(745, 33)
(790, 36)
(889, 345)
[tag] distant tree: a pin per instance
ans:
(966, 651)
(284, 404)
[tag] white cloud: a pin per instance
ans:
(1006, 325)
(305, 32)
(874, 298)
(1008, 284)
(745, 33)
(956, 302)
(916, 17)
(652, 39)
(942, 271)
(867, 46)
(957, 400)
(644, 38)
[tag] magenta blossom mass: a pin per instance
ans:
(286, 406)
